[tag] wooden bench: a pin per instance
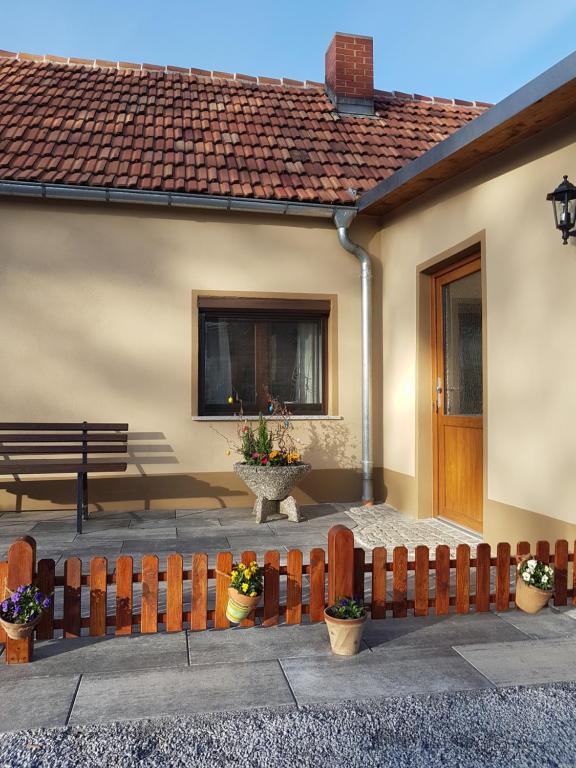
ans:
(69, 445)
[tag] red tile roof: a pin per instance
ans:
(111, 124)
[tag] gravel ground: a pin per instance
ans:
(531, 726)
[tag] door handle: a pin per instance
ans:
(438, 394)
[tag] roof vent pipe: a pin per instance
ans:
(342, 221)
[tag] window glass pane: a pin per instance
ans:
(229, 361)
(295, 362)
(462, 315)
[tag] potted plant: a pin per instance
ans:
(345, 620)
(271, 464)
(534, 584)
(21, 611)
(244, 591)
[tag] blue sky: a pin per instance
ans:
(472, 50)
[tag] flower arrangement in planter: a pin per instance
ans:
(345, 620)
(271, 465)
(534, 584)
(21, 611)
(244, 591)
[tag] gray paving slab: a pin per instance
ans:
(168, 531)
(439, 631)
(391, 673)
(259, 643)
(546, 623)
(56, 658)
(158, 545)
(202, 688)
(35, 702)
(534, 661)
(193, 523)
(88, 526)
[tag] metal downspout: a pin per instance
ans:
(342, 221)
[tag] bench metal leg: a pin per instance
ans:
(79, 501)
(85, 492)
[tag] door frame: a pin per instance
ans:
(426, 472)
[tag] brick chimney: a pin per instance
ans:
(350, 73)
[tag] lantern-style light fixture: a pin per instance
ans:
(564, 203)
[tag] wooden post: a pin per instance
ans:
(21, 570)
(340, 563)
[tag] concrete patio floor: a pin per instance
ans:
(163, 531)
(121, 678)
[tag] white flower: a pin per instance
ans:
(532, 564)
(547, 569)
(544, 579)
(526, 576)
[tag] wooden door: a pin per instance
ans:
(457, 391)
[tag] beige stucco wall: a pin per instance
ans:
(96, 311)
(530, 366)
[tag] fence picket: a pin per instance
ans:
(46, 578)
(199, 618)
(421, 580)
(462, 578)
(21, 567)
(294, 587)
(3, 592)
(223, 568)
(522, 548)
(574, 574)
(399, 582)
(124, 593)
(359, 562)
(442, 580)
(561, 572)
(340, 563)
(271, 588)
(317, 585)
(502, 576)
(174, 593)
(247, 558)
(149, 610)
(72, 597)
(482, 578)
(543, 551)
(98, 596)
(379, 556)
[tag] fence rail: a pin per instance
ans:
(419, 585)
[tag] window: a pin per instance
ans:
(251, 346)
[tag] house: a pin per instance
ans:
(384, 263)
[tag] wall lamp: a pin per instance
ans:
(564, 204)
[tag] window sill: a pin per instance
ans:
(296, 417)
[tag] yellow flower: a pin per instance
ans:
(241, 566)
(274, 454)
(234, 574)
(253, 562)
(244, 587)
(252, 594)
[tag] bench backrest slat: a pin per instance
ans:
(72, 427)
(60, 449)
(46, 437)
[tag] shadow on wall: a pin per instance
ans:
(143, 492)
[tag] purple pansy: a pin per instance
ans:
(46, 603)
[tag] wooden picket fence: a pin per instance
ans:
(343, 572)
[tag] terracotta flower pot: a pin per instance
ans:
(19, 631)
(529, 598)
(239, 605)
(345, 634)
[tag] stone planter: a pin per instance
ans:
(345, 634)
(272, 487)
(239, 605)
